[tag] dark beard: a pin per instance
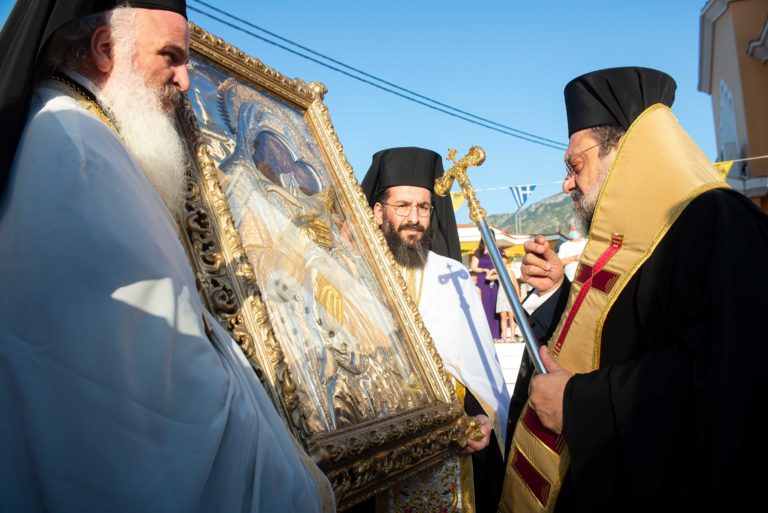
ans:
(412, 255)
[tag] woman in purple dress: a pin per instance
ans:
(488, 281)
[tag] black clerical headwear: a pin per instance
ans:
(615, 96)
(22, 40)
(416, 167)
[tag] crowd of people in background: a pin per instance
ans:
(498, 309)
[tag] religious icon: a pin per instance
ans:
(286, 250)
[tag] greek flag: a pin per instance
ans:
(521, 194)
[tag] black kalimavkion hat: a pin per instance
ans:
(24, 35)
(615, 96)
(416, 167)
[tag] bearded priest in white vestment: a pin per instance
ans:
(113, 395)
(399, 187)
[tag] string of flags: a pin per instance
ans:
(521, 193)
(724, 167)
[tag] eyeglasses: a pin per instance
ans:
(405, 209)
(569, 170)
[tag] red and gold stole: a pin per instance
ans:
(657, 172)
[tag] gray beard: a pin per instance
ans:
(583, 211)
(411, 255)
(584, 204)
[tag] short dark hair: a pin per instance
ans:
(607, 137)
(383, 196)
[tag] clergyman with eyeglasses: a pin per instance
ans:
(655, 370)
(420, 230)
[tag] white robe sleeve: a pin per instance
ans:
(112, 396)
(454, 315)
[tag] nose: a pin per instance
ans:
(569, 183)
(413, 215)
(181, 78)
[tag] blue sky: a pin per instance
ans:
(504, 60)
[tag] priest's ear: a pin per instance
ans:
(102, 49)
(378, 213)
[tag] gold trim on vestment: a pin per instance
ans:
(78, 93)
(526, 484)
(530, 433)
(409, 276)
(466, 478)
(461, 391)
(621, 284)
(666, 121)
(467, 484)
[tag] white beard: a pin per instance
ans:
(147, 129)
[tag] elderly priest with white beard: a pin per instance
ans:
(113, 396)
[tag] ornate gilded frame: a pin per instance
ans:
(360, 459)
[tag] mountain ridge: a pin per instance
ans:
(549, 215)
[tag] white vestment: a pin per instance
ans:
(454, 316)
(112, 397)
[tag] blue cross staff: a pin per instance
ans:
(458, 172)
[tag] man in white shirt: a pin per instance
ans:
(570, 251)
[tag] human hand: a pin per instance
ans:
(492, 275)
(541, 268)
(547, 392)
(485, 426)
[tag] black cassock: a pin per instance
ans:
(672, 410)
(487, 465)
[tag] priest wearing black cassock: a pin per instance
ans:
(654, 369)
(425, 244)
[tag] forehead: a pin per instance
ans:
(580, 140)
(162, 28)
(409, 194)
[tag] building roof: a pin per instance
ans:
(709, 15)
(758, 48)
(469, 236)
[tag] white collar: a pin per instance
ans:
(535, 299)
(86, 83)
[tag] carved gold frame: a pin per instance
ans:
(363, 459)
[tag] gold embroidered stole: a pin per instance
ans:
(657, 172)
(449, 485)
(80, 94)
(466, 479)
